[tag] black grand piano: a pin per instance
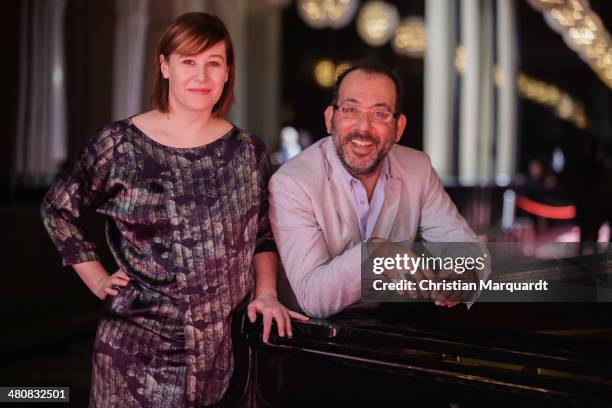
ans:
(417, 354)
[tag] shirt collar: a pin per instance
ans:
(384, 172)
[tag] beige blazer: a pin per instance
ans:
(315, 224)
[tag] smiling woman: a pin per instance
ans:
(194, 43)
(197, 80)
(185, 196)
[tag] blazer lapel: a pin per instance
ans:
(388, 212)
(339, 189)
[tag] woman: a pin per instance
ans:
(185, 194)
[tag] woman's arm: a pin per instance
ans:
(266, 300)
(265, 262)
(81, 187)
(265, 265)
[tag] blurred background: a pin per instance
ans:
(511, 99)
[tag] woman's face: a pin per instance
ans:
(196, 81)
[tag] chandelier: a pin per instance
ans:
(410, 37)
(376, 22)
(582, 31)
(327, 13)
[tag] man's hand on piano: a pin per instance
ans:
(451, 298)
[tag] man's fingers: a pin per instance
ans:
(450, 297)
(417, 277)
(428, 273)
(443, 296)
(395, 275)
(456, 296)
(413, 293)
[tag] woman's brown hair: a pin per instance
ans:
(191, 34)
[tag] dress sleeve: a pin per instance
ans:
(82, 186)
(265, 239)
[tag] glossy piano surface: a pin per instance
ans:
(506, 355)
(418, 354)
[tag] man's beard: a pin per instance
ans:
(372, 163)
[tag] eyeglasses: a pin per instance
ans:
(375, 115)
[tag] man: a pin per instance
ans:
(352, 186)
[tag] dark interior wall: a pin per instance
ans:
(161, 13)
(49, 316)
(88, 31)
(10, 28)
(89, 62)
(41, 300)
(37, 291)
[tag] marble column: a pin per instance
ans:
(438, 96)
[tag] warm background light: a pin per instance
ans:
(376, 22)
(410, 37)
(327, 13)
(582, 31)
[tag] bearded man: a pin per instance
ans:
(356, 185)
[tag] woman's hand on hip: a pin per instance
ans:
(99, 281)
(110, 284)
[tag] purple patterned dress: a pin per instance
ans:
(184, 224)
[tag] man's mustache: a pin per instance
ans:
(366, 137)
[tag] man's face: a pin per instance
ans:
(362, 143)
